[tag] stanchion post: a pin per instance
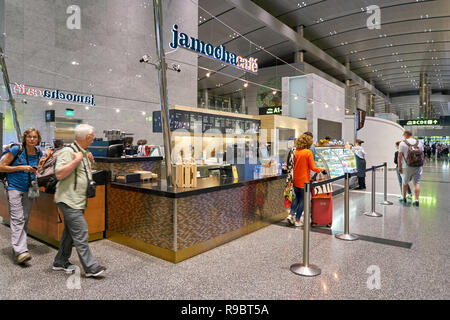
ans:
(372, 212)
(346, 235)
(306, 269)
(385, 200)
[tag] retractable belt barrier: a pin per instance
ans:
(309, 270)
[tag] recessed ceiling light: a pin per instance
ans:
(75, 63)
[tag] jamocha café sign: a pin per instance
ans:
(54, 95)
(208, 50)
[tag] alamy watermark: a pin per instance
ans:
(374, 280)
(374, 20)
(74, 20)
(74, 281)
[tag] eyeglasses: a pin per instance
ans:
(32, 137)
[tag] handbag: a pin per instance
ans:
(288, 195)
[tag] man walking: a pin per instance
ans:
(73, 170)
(410, 162)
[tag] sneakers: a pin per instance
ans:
(298, 223)
(23, 257)
(403, 200)
(416, 203)
(290, 219)
(67, 267)
(96, 272)
(409, 196)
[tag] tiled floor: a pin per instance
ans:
(257, 266)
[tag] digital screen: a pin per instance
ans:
(50, 116)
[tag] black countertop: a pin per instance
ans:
(130, 159)
(204, 185)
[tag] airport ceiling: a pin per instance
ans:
(414, 37)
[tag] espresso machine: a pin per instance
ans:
(111, 146)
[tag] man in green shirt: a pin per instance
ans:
(73, 169)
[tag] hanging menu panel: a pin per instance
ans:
(202, 122)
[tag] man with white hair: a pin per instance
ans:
(73, 171)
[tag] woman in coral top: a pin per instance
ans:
(303, 164)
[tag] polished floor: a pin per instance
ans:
(402, 255)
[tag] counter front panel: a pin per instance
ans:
(149, 218)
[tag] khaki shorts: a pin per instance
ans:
(411, 173)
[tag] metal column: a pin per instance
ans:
(159, 35)
(372, 212)
(12, 102)
(423, 95)
(385, 200)
(306, 269)
(347, 235)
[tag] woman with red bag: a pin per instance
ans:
(303, 165)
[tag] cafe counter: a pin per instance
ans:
(177, 223)
(120, 166)
(47, 222)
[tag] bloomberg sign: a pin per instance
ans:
(208, 50)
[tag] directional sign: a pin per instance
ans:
(420, 122)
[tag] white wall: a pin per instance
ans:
(329, 100)
(379, 136)
(112, 39)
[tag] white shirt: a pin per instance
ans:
(359, 151)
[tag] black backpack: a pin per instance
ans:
(4, 175)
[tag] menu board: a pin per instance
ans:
(208, 122)
(196, 120)
(230, 124)
(157, 123)
(179, 120)
(202, 122)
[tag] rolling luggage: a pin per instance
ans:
(322, 205)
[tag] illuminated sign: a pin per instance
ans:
(421, 122)
(70, 112)
(269, 110)
(208, 50)
(55, 94)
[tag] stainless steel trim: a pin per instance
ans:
(12, 102)
(159, 37)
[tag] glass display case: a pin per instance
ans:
(337, 161)
(347, 158)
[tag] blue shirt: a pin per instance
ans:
(18, 180)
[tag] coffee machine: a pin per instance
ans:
(113, 146)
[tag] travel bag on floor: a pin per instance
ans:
(322, 205)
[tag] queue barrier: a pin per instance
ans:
(310, 270)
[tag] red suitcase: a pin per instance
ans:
(322, 212)
(322, 205)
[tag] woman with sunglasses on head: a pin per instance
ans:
(20, 164)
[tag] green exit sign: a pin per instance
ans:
(70, 112)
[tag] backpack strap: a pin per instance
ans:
(75, 187)
(18, 153)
